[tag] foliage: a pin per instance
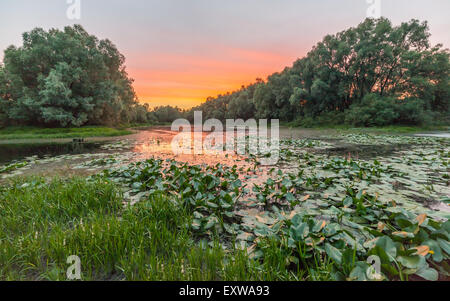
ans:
(375, 110)
(210, 193)
(165, 114)
(372, 74)
(12, 166)
(65, 78)
(355, 228)
(319, 218)
(43, 223)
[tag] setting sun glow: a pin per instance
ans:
(188, 81)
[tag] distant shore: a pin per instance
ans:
(17, 134)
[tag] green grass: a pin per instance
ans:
(11, 133)
(42, 224)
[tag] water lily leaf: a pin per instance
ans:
(196, 224)
(211, 222)
(136, 185)
(334, 253)
(262, 231)
(428, 273)
(446, 226)
(300, 232)
(445, 245)
(412, 262)
(370, 244)
(212, 205)
(388, 246)
(403, 222)
(290, 197)
(319, 225)
(264, 219)
(314, 242)
(359, 272)
(244, 236)
(403, 234)
(435, 249)
(297, 219)
(348, 201)
(198, 215)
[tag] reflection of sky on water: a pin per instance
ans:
(158, 144)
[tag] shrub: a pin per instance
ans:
(373, 110)
(412, 112)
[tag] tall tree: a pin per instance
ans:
(66, 78)
(343, 71)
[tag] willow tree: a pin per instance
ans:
(376, 58)
(65, 78)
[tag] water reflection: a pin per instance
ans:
(12, 152)
(157, 143)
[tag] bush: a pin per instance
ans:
(306, 122)
(3, 114)
(2, 120)
(375, 110)
(330, 118)
(324, 119)
(412, 112)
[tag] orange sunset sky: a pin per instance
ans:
(201, 77)
(179, 52)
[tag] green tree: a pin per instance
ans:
(3, 98)
(375, 73)
(66, 78)
(167, 114)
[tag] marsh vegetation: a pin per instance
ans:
(133, 211)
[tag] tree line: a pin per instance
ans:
(370, 75)
(374, 74)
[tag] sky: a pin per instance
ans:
(179, 52)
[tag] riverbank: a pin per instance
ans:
(22, 133)
(392, 129)
(19, 135)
